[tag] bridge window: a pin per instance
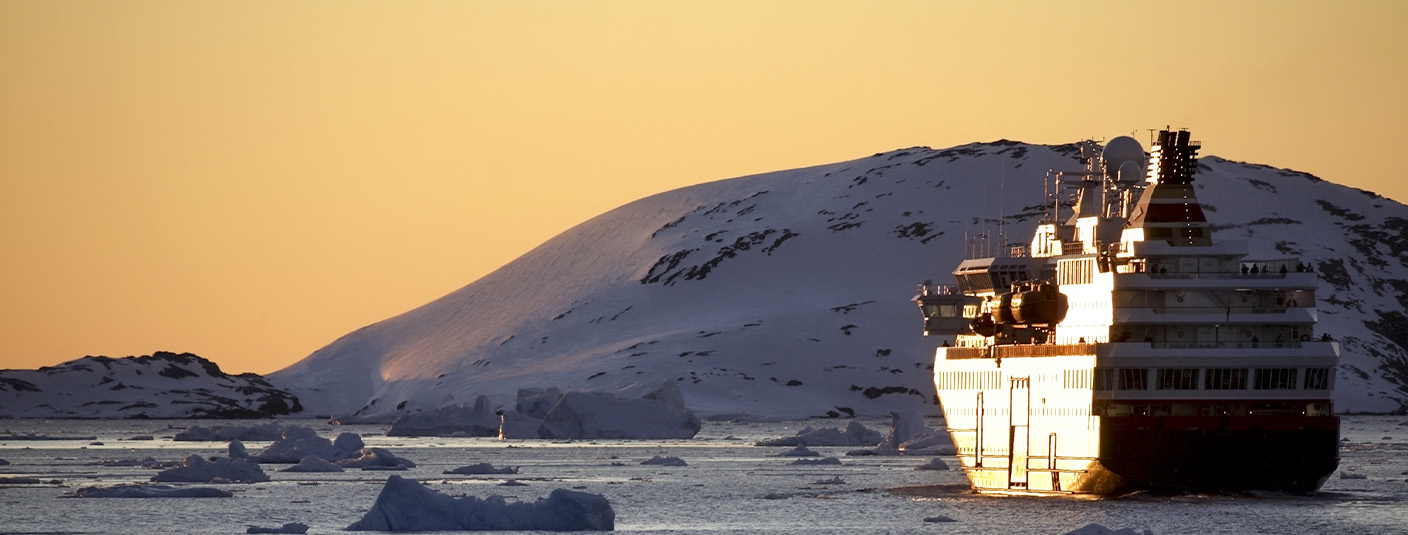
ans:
(1225, 379)
(1178, 378)
(1275, 379)
(1134, 379)
(1317, 378)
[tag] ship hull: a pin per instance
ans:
(1209, 454)
(1039, 425)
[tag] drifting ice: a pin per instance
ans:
(220, 469)
(406, 505)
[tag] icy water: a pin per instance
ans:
(729, 486)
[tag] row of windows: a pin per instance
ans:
(989, 380)
(1212, 379)
(1075, 271)
(1162, 379)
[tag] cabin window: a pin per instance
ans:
(1178, 378)
(1275, 379)
(1317, 379)
(1225, 379)
(1134, 379)
(1105, 379)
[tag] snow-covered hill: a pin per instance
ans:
(788, 293)
(162, 385)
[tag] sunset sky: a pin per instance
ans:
(248, 181)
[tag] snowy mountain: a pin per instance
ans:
(162, 385)
(788, 293)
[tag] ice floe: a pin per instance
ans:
(482, 468)
(150, 491)
(1097, 529)
(406, 505)
(196, 469)
(291, 527)
(313, 464)
(664, 461)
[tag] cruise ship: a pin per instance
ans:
(1124, 349)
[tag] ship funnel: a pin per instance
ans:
(1173, 158)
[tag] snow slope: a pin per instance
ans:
(788, 293)
(161, 385)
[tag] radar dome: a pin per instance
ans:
(1120, 151)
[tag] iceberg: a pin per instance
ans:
(910, 436)
(298, 442)
(376, 459)
(659, 414)
(799, 451)
(1097, 529)
(855, 434)
(313, 464)
(406, 505)
(196, 469)
(453, 421)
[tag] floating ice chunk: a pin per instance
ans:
(222, 433)
(299, 442)
(479, 420)
(482, 468)
(909, 436)
(855, 434)
(1097, 529)
(817, 462)
(659, 414)
(376, 459)
(933, 464)
(150, 491)
(664, 461)
(799, 451)
(291, 527)
(406, 505)
(313, 464)
(196, 469)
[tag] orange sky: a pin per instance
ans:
(250, 180)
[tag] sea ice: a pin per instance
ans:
(313, 464)
(664, 461)
(406, 505)
(933, 464)
(855, 434)
(291, 527)
(220, 469)
(817, 462)
(376, 459)
(482, 468)
(799, 451)
(1097, 529)
(150, 491)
